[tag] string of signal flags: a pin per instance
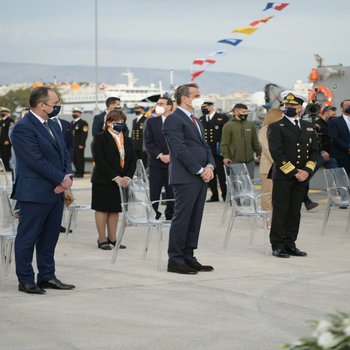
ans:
(199, 65)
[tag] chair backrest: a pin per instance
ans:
(135, 201)
(236, 169)
(337, 182)
(4, 180)
(243, 194)
(141, 173)
(7, 218)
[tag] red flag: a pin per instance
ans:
(281, 6)
(264, 20)
(210, 61)
(196, 74)
(198, 61)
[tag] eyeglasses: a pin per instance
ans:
(56, 105)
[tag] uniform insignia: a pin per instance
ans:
(310, 139)
(141, 126)
(309, 129)
(281, 124)
(216, 127)
(77, 128)
(85, 128)
(219, 119)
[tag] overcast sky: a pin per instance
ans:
(170, 34)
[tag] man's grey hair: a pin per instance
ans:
(184, 90)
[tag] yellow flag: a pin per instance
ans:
(245, 30)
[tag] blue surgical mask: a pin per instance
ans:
(56, 110)
(119, 127)
(290, 112)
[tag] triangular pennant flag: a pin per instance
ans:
(218, 53)
(281, 6)
(263, 20)
(268, 6)
(233, 42)
(209, 61)
(245, 30)
(198, 61)
(196, 74)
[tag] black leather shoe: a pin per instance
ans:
(158, 215)
(213, 199)
(309, 205)
(114, 243)
(104, 245)
(295, 252)
(182, 268)
(63, 230)
(168, 217)
(30, 288)
(199, 267)
(280, 253)
(55, 284)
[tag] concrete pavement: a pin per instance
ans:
(251, 301)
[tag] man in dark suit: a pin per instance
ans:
(97, 125)
(43, 174)
(66, 128)
(293, 147)
(339, 130)
(80, 132)
(137, 134)
(5, 145)
(190, 169)
(158, 157)
(213, 123)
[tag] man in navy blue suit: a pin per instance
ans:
(158, 157)
(43, 174)
(190, 169)
(339, 130)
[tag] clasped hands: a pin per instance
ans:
(165, 158)
(122, 181)
(65, 184)
(207, 174)
(301, 175)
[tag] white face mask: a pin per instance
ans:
(197, 103)
(160, 110)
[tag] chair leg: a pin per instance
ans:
(69, 221)
(226, 206)
(6, 258)
(348, 223)
(252, 231)
(266, 236)
(325, 219)
(229, 229)
(160, 246)
(119, 240)
(147, 242)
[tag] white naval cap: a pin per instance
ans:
(77, 109)
(292, 97)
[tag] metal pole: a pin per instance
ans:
(96, 59)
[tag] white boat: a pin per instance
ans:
(84, 95)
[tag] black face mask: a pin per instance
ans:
(75, 116)
(243, 117)
(347, 110)
(138, 113)
(205, 111)
(119, 127)
(290, 112)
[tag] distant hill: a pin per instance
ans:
(209, 82)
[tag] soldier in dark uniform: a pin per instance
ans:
(5, 145)
(293, 147)
(80, 130)
(137, 134)
(213, 123)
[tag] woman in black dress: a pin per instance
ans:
(114, 161)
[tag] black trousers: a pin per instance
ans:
(158, 177)
(219, 173)
(287, 198)
(5, 155)
(79, 161)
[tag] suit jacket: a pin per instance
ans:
(67, 135)
(4, 129)
(107, 159)
(137, 133)
(97, 124)
(292, 148)
(155, 141)
(339, 132)
(188, 149)
(42, 162)
(213, 131)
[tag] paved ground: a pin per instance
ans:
(251, 301)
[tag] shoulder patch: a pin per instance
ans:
(85, 128)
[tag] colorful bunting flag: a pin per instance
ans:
(218, 53)
(263, 20)
(278, 7)
(194, 75)
(245, 30)
(233, 42)
(201, 61)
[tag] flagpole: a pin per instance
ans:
(96, 59)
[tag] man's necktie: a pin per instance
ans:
(194, 122)
(47, 127)
(297, 123)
